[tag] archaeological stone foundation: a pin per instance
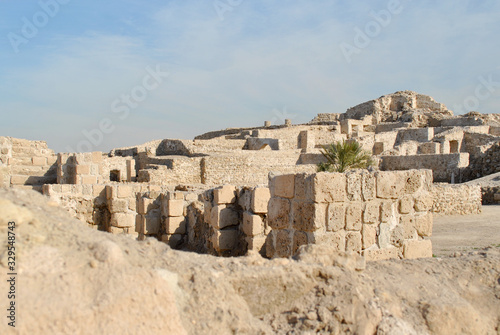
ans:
(230, 191)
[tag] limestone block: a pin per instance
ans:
(414, 181)
(303, 187)
(336, 217)
(329, 187)
(39, 161)
(124, 191)
(130, 168)
(406, 204)
(175, 225)
(256, 242)
(335, 240)
(417, 249)
(118, 205)
(378, 148)
(88, 179)
(145, 205)
(384, 235)
(371, 214)
(308, 216)
(123, 219)
(260, 199)
(299, 238)
(152, 222)
(98, 190)
(283, 186)
(173, 195)
(82, 169)
(368, 186)
(111, 192)
(252, 224)
(353, 218)
(381, 254)
(270, 245)
(369, 235)
(175, 207)
(279, 213)
(139, 223)
(225, 195)
(191, 197)
(390, 184)
(227, 239)
(353, 241)
(404, 231)
(354, 181)
(387, 211)
(222, 217)
(423, 224)
(423, 202)
(18, 180)
(83, 158)
(283, 243)
(96, 157)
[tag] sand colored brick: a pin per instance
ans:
(417, 249)
(353, 219)
(260, 199)
(175, 225)
(252, 224)
(284, 186)
(329, 187)
(279, 213)
(225, 195)
(336, 217)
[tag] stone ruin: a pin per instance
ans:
(239, 189)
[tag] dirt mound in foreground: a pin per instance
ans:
(74, 280)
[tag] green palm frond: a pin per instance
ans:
(343, 156)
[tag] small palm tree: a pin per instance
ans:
(342, 156)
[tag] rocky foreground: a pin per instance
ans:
(75, 280)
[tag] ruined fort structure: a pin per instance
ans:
(229, 191)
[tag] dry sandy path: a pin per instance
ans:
(463, 233)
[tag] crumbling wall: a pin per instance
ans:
(380, 215)
(483, 164)
(25, 163)
(456, 199)
(446, 168)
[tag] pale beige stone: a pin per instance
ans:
(406, 204)
(283, 186)
(98, 190)
(225, 195)
(336, 217)
(336, 240)
(381, 254)
(260, 199)
(417, 249)
(390, 184)
(123, 219)
(145, 205)
(368, 186)
(353, 241)
(354, 185)
(226, 239)
(83, 169)
(124, 191)
(329, 187)
(222, 217)
(96, 157)
(371, 214)
(118, 205)
(175, 207)
(369, 235)
(423, 224)
(39, 161)
(256, 242)
(423, 202)
(175, 225)
(252, 224)
(353, 219)
(89, 179)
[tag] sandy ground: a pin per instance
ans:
(75, 280)
(458, 233)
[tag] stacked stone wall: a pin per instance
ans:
(25, 163)
(456, 199)
(380, 215)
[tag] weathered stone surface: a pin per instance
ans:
(336, 217)
(260, 199)
(226, 239)
(337, 240)
(175, 207)
(279, 213)
(222, 217)
(417, 249)
(283, 243)
(369, 235)
(252, 224)
(406, 204)
(423, 224)
(283, 186)
(353, 242)
(329, 187)
(299, 238)
(368, 186)
(175, 225)
(371, 214)
(354, 181)
(308, 216)
(381, 254)
(145, 205)
(353, 219)
(225, 195)
(423, 202)
(390, 185)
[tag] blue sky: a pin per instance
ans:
(230, 63)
